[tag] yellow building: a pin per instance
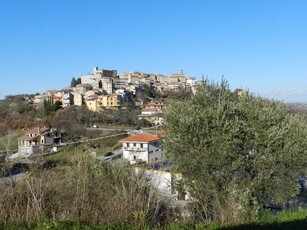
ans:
(98, 103)
(91, 103)
(109, 101)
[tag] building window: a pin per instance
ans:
(141, 145)
(134, 144)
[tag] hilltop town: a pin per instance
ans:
(105, 89)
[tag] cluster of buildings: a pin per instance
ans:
(104, 89)
(137, 148)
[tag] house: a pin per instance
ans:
(38, 101)
(141, 148)
(174, 86)
(90, 80)
(77, 98)
(110, 101)
(67, 99)
(96, 103)
(154, 118)
(37, 140)
(120, 83)
(149, 111)
(190, 81)
(107, 85)
(153, 112)
(159, 105)
(81, 88)
(91, 102)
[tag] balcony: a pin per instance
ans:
(135, 149)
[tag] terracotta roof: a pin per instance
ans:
(27, 138)
(37, 130)
(143, 137)
(149, 110)
(162, 133)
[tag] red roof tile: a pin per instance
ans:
(149, 110)
(162, 133)
(143, 137)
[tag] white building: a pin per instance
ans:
(80, 88)
(149, 111)
(108, 86)
(77, 98)
(141, 148)
(191, 81)
(39, 100)
(121, 83)
(67, 100)
(91, 80)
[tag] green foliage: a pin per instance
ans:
(57, 105)
(50, 108)
(78, 80)
(236, 153)
(73, 82)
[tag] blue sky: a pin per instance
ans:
(260, 45)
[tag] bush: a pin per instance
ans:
(87, 191)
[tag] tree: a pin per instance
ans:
(73, 82)
(7, 142)
(78, 80)
(236, 154)
(47, 106)
(57, 105)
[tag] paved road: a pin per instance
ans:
(108, 129)
(117, 154)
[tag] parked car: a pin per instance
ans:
(108, 155)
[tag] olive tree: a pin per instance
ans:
(236, 153)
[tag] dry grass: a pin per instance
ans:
(86, 191)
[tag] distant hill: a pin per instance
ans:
(297, 107)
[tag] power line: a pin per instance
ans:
(92, 139)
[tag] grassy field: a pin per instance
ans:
(287, 220)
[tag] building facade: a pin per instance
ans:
(37, 140)
(141, 148)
